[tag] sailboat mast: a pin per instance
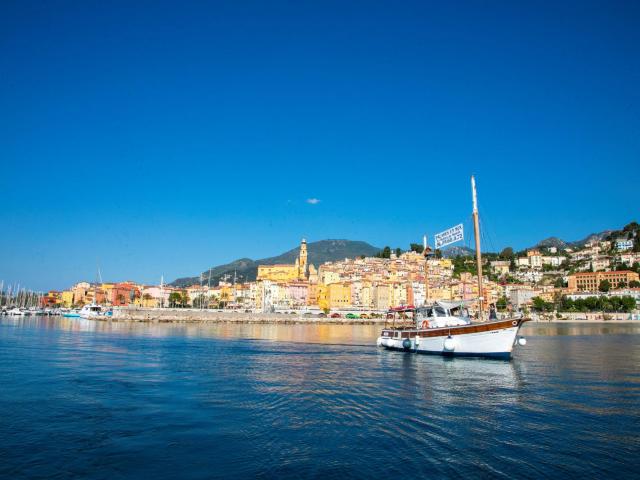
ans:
(425, 246)
(476, 231)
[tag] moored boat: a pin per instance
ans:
(93, 312)
(446, 328)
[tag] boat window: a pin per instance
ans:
(440, 312)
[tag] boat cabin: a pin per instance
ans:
(439, 314)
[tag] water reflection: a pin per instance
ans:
(165, 401)
(328, 334)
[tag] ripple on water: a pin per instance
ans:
(93, 400)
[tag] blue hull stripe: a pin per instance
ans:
(499, 355)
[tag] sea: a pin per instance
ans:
(97, 400)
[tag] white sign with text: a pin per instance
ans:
(452, 235)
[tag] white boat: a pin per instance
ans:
(445, 328)
(16, 311)
(93, 312)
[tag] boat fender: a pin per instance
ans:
(449, 344)
(425, 324)
(406, 344)
(522, 341)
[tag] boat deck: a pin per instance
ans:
(403, 332)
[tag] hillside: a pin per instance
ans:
(561, 244)
(246, 269)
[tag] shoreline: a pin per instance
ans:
(166, 315)
(152, 315)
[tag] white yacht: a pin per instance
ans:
(94, 311)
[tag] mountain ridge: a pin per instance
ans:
(246, 269)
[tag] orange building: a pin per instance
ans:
(124, 294)
(590, 281)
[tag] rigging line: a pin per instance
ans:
(487, 230)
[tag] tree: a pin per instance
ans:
(540, 305)
(200, 302)
(501, 304)
(634, 284)
(416, 247)
(622, 284)
(559, 283)
(604, 286)
(175, 299)
(386, 252)
(398, 252)
(506, 253)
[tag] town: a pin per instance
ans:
(600, 276)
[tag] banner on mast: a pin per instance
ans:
(452, 235)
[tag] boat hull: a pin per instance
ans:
(490, 339)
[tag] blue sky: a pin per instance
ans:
(159, 138)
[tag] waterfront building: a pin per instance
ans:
(80, 293)
(381, 297)
(53, 298)
(156, 296)
(521, 295)
(339, 295)
(590, 281)
(124, 293)
(296, 294)
(67, 298)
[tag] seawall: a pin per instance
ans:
(187, 315)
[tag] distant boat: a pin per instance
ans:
(445, 328)
(16, 311)
(94, 312)
(71, 314)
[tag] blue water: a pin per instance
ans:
(81, 399)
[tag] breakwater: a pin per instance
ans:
(187, 315)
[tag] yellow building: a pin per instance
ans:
(67, 298)
(287, 272)
(278, 273)
(322, 294)
(398, 294)
(339, 295)
(80, 293)
(107, 288)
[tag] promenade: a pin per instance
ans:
(187, 315)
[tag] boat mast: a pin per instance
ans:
(425, 252)
(476, 231)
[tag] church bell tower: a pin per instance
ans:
(302, 261)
